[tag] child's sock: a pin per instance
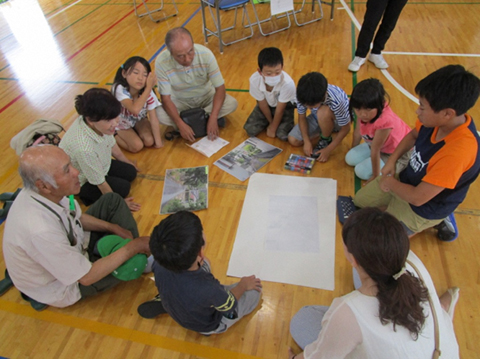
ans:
(329, 138)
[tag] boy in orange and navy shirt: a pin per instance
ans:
(445, 159)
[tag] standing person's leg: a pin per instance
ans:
(389, 21)
(113, 209)
(373, 14)
(305, 326)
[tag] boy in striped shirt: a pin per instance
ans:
(329, 113)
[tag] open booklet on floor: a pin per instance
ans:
(207, 147)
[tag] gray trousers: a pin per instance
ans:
(111, 207)
(257, 122)
(245, 305)
(206, 102)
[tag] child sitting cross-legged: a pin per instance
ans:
(188, 291)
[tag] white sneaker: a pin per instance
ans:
(378, 60)
(356, 64)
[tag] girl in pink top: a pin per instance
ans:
(380, 128)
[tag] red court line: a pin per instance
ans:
(99, 36)
(75, 54)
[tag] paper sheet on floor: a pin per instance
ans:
(286, 231)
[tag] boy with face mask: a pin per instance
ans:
(274, 91)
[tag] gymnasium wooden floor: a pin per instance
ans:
(53, 50)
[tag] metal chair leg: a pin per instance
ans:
(260, 22)
(149, 12)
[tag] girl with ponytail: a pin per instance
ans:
(391, 312)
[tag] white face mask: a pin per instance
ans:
(273, 80)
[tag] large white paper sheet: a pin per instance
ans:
(286, 231)
(280, 6)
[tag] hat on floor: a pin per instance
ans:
(132, 268)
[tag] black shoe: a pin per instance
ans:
(5, 284)
(171, 135)
(447, 229)
(152, 308)
(35, 305)
(320, 146)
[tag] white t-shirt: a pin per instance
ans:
(128, 119)
(351, 329)
(284, 91)
(40, 259)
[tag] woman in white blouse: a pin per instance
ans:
(389, 314)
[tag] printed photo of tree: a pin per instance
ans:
(185, 189)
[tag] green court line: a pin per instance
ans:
(430, 3)
(160, 178)
(358, 182)
(63, 5)
(83, 17)
(237, 90)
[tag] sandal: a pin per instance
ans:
(171, 135)
(9, 196)
(5, 209)
(5, 284)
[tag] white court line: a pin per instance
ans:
(68, 7)
(352, 16)
(399, 87)
(385, 72)
(429, 54)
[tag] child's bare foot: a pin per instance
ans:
(449, 300)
